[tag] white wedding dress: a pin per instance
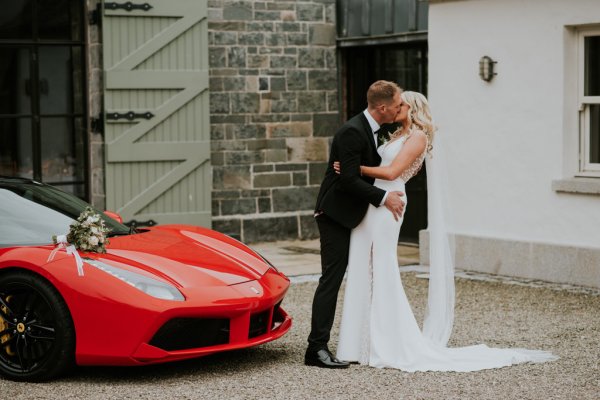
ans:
(378, 327)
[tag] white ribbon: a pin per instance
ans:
(62, 243)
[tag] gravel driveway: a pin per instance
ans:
(497, 314)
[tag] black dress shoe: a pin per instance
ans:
(323, 359)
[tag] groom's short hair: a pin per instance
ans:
(381, 92)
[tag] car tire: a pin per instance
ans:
(37, 337)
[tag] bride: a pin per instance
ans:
(378, 327)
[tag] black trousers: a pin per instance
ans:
(335, 246)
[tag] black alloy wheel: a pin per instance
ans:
(37, 338)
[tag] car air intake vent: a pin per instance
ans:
(190, 333)
(258, 324)
(278, 317)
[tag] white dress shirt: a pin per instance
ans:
(374, 128)
(373, 124)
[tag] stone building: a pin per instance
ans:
(274, 107)
(283, 76)
(221, 112)
(210, 112)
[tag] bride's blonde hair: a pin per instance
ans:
(419, 116)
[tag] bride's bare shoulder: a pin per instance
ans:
(418, 133)
(417, 136)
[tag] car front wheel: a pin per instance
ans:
(37, 338)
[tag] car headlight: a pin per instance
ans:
(152, 287)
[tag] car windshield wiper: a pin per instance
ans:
(119, 233)
(132, 231)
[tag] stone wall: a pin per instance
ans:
(95, 139)
(274, 108)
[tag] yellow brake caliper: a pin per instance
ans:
(4, 325)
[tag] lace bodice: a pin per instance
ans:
(389, 150)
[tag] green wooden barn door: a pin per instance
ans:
(157, 111)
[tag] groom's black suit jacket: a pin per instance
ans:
(345, 197)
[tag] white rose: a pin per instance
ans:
(93, 241)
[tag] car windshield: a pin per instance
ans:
(31, 212)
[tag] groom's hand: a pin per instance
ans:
(394, 203)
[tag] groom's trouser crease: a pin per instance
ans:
(335, 244)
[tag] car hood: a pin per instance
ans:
(186, 255)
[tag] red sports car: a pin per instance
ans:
(159, 294)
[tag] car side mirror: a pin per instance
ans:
(114, 216)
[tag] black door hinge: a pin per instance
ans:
(136, 224)
(98, 124)
(129, 115)
(129, 6)
(95, 16)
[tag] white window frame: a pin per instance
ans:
(586, 168)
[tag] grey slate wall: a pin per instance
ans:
(274, 108)
(95, 140)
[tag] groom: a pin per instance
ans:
(342, 203)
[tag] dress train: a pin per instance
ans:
(378, 327)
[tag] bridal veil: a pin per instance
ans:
(439, 316)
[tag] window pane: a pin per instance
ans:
(32, 213)
(63, 157)
(59, 19)
(26, 221)
(401, 65)
(404, 64)
(595, 133)
(78, 78)
(55, 82)
(592, 66)
(16, 149)
(15, 19)
(15, 84)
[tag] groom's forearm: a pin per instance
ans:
(351, 147)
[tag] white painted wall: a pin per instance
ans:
(508, 139)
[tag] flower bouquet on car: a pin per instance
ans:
(87, 233)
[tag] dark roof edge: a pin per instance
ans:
(406, 37)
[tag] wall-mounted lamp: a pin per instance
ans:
(486, 68)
